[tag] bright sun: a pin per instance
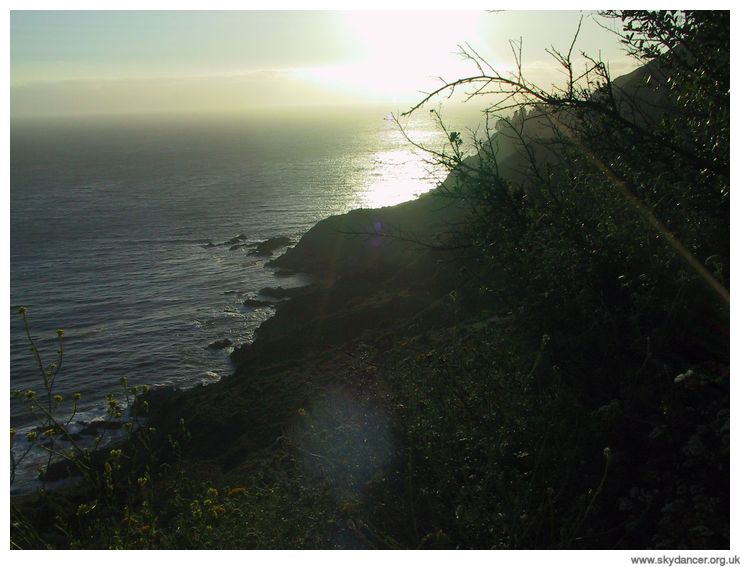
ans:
(403, 52)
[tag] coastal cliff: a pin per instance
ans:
(523, 363)
(378, 275)
(407, 398)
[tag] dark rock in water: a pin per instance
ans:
(236, 240)
(209, 245)
(282, 292)
(94, 427)
(257, 303)
(223, 343)
(267, 247)
(59, 470)
(237, 246)
(284, 272)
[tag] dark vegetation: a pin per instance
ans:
(536, 355)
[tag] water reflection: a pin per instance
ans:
(403, 173)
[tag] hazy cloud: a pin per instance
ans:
(224, 92)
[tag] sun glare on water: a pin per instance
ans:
(402, 173)
(397, 176)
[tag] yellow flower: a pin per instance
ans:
(22, 310)
(58, 398)
(301, 412)
(31, 436)
(60, 333)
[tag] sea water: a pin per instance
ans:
(111, 220)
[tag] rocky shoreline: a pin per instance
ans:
(521, 374)
(262, 248)
(375, 272)
(368, 275)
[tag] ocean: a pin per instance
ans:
(111, 220)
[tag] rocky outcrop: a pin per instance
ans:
(374, 239)
(267, 247)
(283, 292)
(238, 239)
(222, 343)
(255, 303)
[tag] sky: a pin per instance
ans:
(90, 62)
